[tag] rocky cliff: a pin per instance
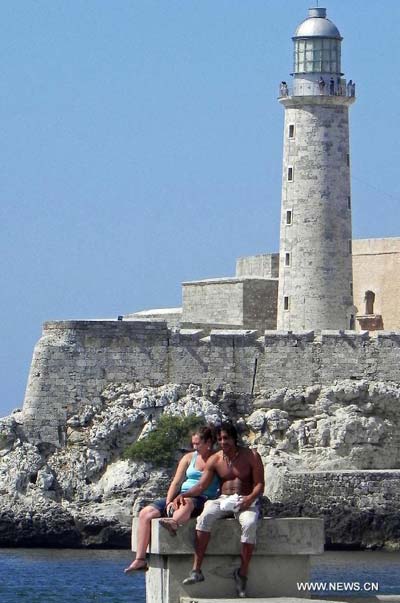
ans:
(327, 450)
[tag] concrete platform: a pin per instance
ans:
(256, 600)
(377, 599)
(286, 536)
(281, 560)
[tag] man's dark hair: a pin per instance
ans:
(229, 429)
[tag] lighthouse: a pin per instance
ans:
(315, 265)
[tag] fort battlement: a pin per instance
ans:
(75, 360)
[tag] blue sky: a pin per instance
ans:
(142, 147)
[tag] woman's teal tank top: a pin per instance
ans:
(193, 476)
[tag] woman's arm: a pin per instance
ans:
(179, 477)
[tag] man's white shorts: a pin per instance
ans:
(247, 519)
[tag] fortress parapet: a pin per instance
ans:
(74, 361)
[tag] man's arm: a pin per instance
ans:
(258, 481)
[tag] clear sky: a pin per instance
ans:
(142, 146)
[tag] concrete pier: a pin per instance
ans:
(281, 559)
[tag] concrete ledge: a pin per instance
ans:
(262, 600)
(187, 336)
(377, 599)
(238, 335)
(105, 325)
(322, 100)
(281, 560)
(344, 335)
(286, 536)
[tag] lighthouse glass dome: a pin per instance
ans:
(317, 45)
(317, 55)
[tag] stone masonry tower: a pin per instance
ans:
(315, 270)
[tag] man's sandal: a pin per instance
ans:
(240, 583)
(195, 576)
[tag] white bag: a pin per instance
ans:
(231, 503)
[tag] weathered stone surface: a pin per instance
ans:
(76, 361)
(317, 444)
(34, 521)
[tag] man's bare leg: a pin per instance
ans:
(246, 553)
(202, 540)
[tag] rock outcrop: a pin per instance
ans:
(82, 494)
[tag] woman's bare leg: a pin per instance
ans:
(143, 537)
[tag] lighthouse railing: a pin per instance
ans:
(319, 88)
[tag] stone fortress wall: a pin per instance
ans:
(324, 488)
(250, 298)
(363, 506)
(376, 267)
(75, 360)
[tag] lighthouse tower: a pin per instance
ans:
(315, 270)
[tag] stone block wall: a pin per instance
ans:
(376, 267)
(264, 264)
(215, 302)
(260, 299)
(363, 489)
(74, 361)
(244, 303)
(360, 508)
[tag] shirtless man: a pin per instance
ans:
(241, 472)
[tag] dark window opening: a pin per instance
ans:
(291, 131)
(286, 303)
(287, 259)
(369, 299)
(350, 246)
(289, 216)
(290, 174)
(349, 202)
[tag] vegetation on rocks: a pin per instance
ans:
(160, 446)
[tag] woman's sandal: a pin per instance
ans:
(143, 568)
(170, 525)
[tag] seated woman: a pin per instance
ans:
(187, 475)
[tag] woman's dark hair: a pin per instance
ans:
(229, 429)
(207, 432)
